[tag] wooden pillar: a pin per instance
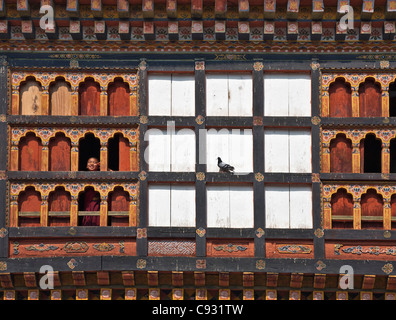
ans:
(133, 156)
(326, 158)
(14, 212)
(74, 212)
(103, 156)
(357, 214)
(385, 157)
(74, 156)
(325, 103)
(327, 213)
(103, 211)
(133, 102)
(385, 102)
(45, 102)
(355, 101)
(44, 211)
(45, 156)
(15, 100)
(387, 214)
(103, 102)
(14, 156)
(133, 212)
(74, 101)
(356, 157)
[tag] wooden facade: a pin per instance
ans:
(155, 92)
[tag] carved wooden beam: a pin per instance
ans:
(272, 279)
(243, 9)
(103, 278)
(177, 278)
(224, 279)
(97, 8)
(30, 279)
(368, 282)
(128, 278)
(152, 278)
(28, 29)
(248, 279)
(173, 30)
(220, 9)
(100, 29)
(269, 9)
(78, 278)
(75, 29)
(148, 8)
(390, 12)
(317, 9)
(73, 8)
(3, 8)
(199, 278)
(124, 30)
(171, 8)
(296, 280)
(148, 30)
(292, 9)
(23, 8)
(391, 283)
(367, 10)
(319, 281)
(196, 9)
(6, 280)
(123, 8)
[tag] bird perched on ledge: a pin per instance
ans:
(224, 167)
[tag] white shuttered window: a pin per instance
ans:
(288, 206)
(234, 146)
(171, 205)
(287, 150)
(229, 206)
(171, 95)
(229, 95)
(287, 95)
(172, 151)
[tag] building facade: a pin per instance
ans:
(113, 115)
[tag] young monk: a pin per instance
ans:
(91, 199)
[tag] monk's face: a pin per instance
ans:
(93, 164)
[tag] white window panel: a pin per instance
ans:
(229, 206)
(216, 95)
(158, 153)
(159, 204)
(240, 88)
(159, 94)
(182, 206)
(229, 95)
(183, 95)
(287, 94)
(183, 150)
(171, 95)
(241, 207)
(218, 206)
(287, 150)
(288, 206)
(234, 147)
(277, 199)
(172, 151)
(300, 151)
(276, 100)
(171, 205)
(300, 95)
(300, 207)
(276, 146)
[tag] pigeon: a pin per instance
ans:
(224, 167)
